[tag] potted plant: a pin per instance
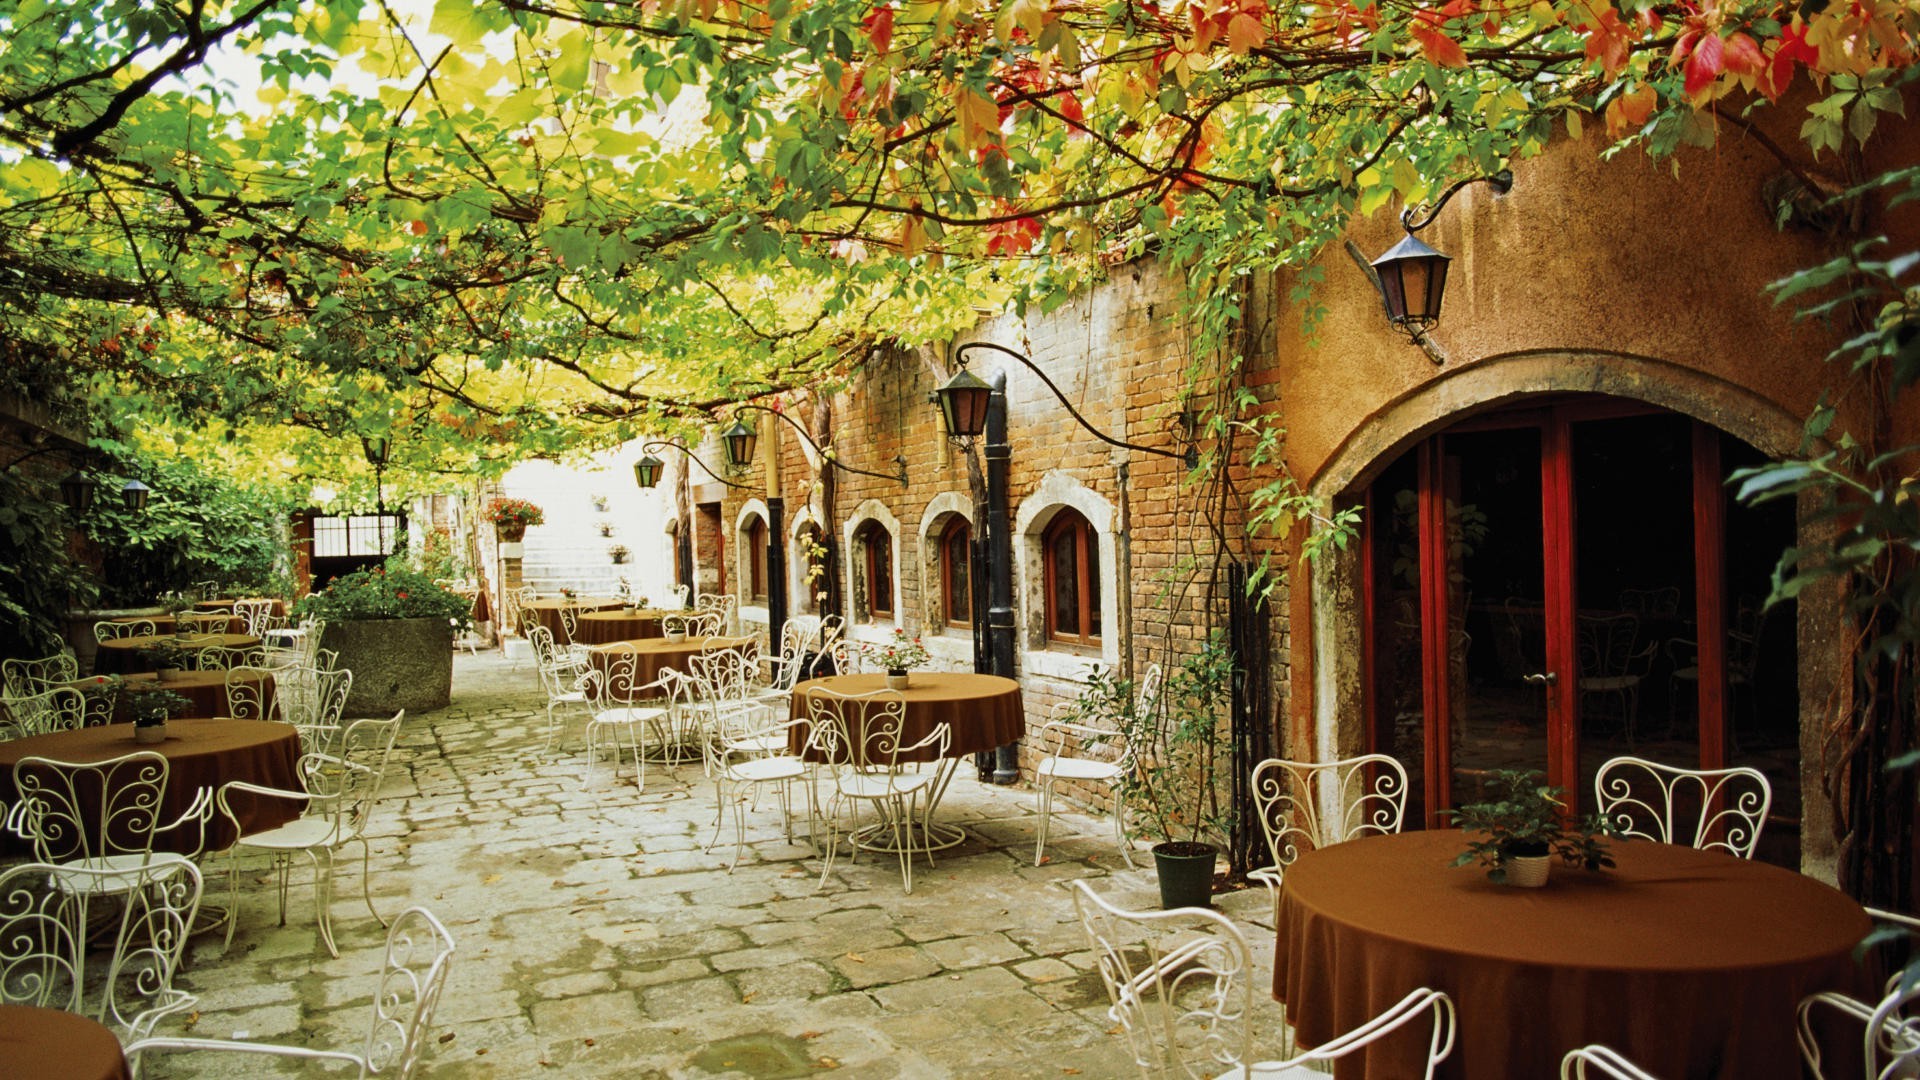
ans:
(627, 606)
(1522, 825)
(617, 552)
(599, 504)
(393, 628)
(605, 527)
(511, 517)
(167, 659)
(152, 706)
(898, 656)
(568, 592)
(1175, 789)
(177, 605)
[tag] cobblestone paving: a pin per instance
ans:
(595, 937)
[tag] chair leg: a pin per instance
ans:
(1046, 811)
(323, 901)
(233, 894)
(366, 879)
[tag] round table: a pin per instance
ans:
(205, 691)
(981, 712)
(199, 753)
(165, 624)
(1688, 962)
(653, 655)
(605, 627)
(122, 655)
(546, 611)
(52, 1042)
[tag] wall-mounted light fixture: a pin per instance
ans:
(1412, 277)
(133, 495)
(736, 443)
(646, 471)
(76, 490)
(964, 406)
(825, 454)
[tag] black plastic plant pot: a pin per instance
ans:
(1186, 873)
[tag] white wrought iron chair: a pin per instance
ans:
(1185, 1011)
(18, 678)
(680, 594)
(1703, 808)
(253, 615)
(1061, 735)
(252, 693)
(693, 624)
(44, 934)
(559, 678)
(419, 951)
(747, 750)
(99, 819)
(341, 790)
(223, 657)
(113, 629)
(783, 669)
(60, 708)
(848, 657)
(621, 705)
(1890, 1032)
(298, 646)
(313, 700)
(1602, 1061)
(1369, 794)
(861, 739)
(723, 689)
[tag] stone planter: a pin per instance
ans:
(396, 663)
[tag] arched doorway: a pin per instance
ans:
(1550, 585)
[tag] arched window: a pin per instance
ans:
(875, 565)
(956, 579)
(1070, 553)
(753, 557)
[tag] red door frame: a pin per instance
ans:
(1554, 421)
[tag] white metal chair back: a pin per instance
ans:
(419, 952)
(252, 692)
(43, 952)
(1185, 1010)
(224, 657)
(696, 624)
(1890, 1032)
(326, 659)
(201, 622)
(546, 651)
(313, 700)
(19, 678)
(1596, 1060)
(1702, 808)
(113, 629)
(680, 594)
(1367, 796)
(156, 919)
(61, 708)
(96, 813)
(253, 615)
(863, 740)
(786, 663)
(570, 623)
(848, 657)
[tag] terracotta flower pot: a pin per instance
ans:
(511, 534)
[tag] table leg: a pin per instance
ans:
(924, 834)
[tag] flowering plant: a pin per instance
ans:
(511, 512)
(150, 704)
(901, 653)
(385, 593)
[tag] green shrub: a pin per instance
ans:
(385, 592)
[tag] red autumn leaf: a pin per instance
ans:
(879, 27)
(1743, 55)
(1014, 237)
(1792, 48)
(1434, 45)
(1607, 41)
(1244, 34)
(1705, 64)
(1071, 109)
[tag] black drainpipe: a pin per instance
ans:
(1000, 535)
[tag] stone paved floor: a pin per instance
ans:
(595, 937)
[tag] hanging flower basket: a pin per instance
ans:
(511, 517)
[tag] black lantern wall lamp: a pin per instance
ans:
(1412, 277)
(963, 404)
(826, 454)
(646, 471)
(78, 487)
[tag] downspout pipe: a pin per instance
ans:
(1000, 627)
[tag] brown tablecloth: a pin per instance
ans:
(122, 655)
(199, 753)
(547, 611)
(983, 711)
(49, 1042)
(1690, 963)
(605, 627)
(653, 655)
(205, 690)
(164, 624)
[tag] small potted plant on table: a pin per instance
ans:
(168, 659)
(897, 657)
(1522, 825)
(177, 606)
(152, 706)
(627, 606)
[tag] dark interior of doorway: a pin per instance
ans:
(1633, 577)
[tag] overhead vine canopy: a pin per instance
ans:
(505, 226)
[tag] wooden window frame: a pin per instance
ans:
(876, 561)
(1086, 577)
(959, 532)
(754, 539)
